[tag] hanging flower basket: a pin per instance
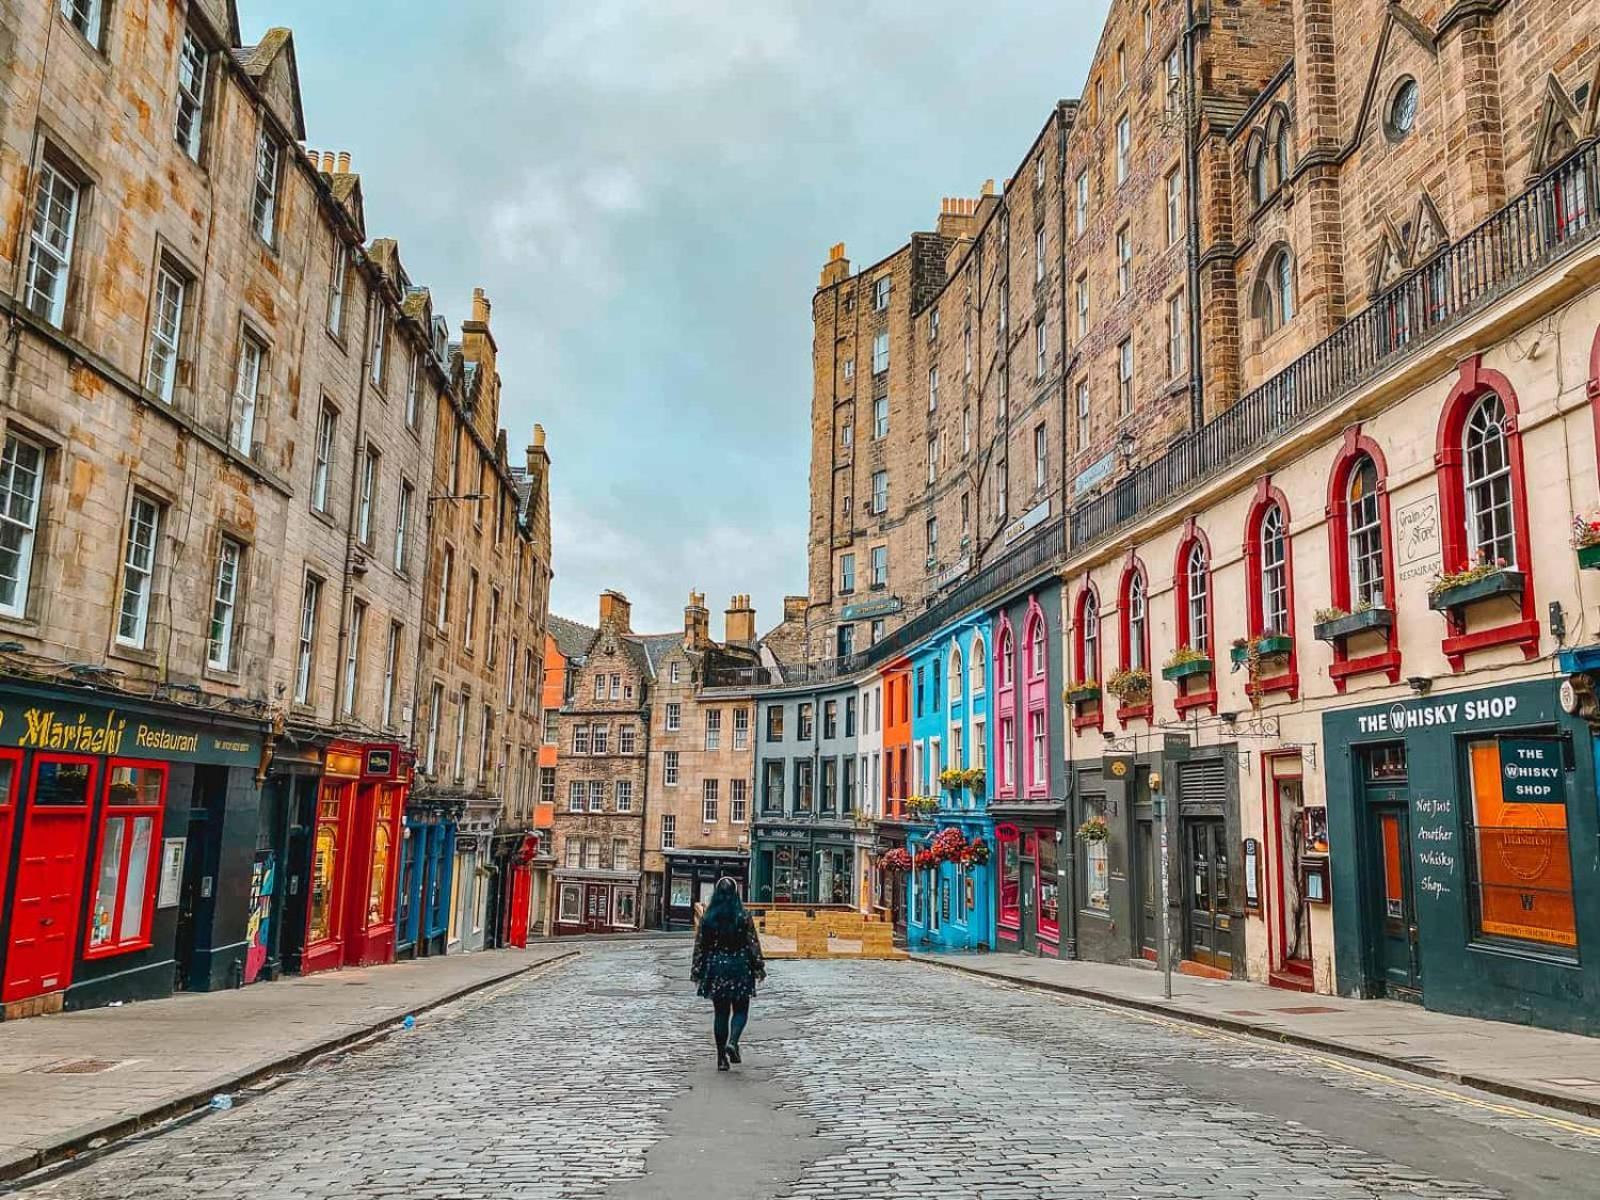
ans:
(976, 853)
(947, 845)
(1094, 830)
(898, 859)
(926, 860)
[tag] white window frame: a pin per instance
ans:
(1274, 573)
(52, 231)
(338, 280)
(352, 657)
(669, 768)
(246, 392)
(322, 466)
(189, 119)
(310, 606)
(264, 197)
(402, 526)
(391, 667)
(1124, 147)
(1197, 574)
(669, 831)
(224, 605)
(1081, 203)
(138, 570)
(21, 488)
(710, 801)
(166, 330)
(365, 505)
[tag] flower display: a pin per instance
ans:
(898, 859)
(1093, 830)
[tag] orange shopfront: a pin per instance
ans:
(354, 848)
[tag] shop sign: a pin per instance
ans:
(1416, 527)
(90, 729)
(1531, 770)
(953, 572)
(1095, 473)
(380, 762)
(1403, 718)
(882, 607)
(1033, 517)
(466, 845)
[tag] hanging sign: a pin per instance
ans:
(1531, 770)
(1252, 873)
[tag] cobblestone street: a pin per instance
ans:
(596, 1078)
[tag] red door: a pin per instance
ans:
(597, 907)
(10, 771)
(49, 891)
(521, 887)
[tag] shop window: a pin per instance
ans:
(380, 903)
(1049, 886)
(1519, 858)
(125, 867)
(1010, 876)
(571, 904)
(1096, 861)
(320, 926)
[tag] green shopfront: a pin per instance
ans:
(1463, 831)
(127, 848)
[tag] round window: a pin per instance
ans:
(1403, 109)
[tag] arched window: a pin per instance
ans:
(1037, 659)
(1364, 533)
(1089, 636)
(1487, 485)
(1281, 150)
(1274, 573)
(1197, 596)
(955, 674)
(1361, 567)
(1272, 302)
(1005, 659)
(1137, 650)
(1256, 167)
(975, 684)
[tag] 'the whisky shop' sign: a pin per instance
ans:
(90, 729)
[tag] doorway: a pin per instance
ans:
(597, 907)
(49, 882)
(1207, 932)
(1147, 907)
(1029, 889)
(1292, 922)
(1389, 907)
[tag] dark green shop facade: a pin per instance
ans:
(1464, 831)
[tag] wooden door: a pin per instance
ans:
(1391, 901)
(597, 907)
(1207, 932)
(50, 874)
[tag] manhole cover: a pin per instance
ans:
(81, 1066)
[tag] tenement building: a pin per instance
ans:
(702, 749)
(218, 448)
(1311, 593)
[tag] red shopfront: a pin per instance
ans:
(107, 815)
(350, 918)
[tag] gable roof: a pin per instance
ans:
(258, 62)
(656, 647)
(572, 638)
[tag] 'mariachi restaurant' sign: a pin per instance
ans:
(108, 731)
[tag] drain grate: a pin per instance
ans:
(81, 1066)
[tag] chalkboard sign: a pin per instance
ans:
(1530, 770)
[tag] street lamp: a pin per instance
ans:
(1126, 447)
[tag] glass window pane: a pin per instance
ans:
(107, 877)
(131, 928)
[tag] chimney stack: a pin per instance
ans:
(838, 268)
(480, 306)
(696, 623)
(794, 608)
(739, 623)
(344, 162)
(615, 612)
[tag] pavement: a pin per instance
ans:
(1561, 1070)
(861, 1081)
(72, 1078)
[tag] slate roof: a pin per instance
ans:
(656, 647)
(572, 638)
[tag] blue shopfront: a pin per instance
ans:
(427, 859)
(950, 892)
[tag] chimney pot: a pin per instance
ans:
(344, 162)
(538, 436)
(480, 306)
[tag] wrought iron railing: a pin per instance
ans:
(1553, 218)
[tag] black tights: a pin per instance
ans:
(726, 1031)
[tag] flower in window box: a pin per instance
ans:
(1186, 661)
(1083, 691)
(1130, 685)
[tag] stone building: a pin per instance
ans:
(603, 734)
(218, 448)
(701, 747)
(1323, 614)
(565, 643)
(480, 666)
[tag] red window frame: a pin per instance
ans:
(1009, 915)
(1357, 446)
(1474, 383)
(1203, 698)
(129, 814)
(8, 813)
(1266, 498)
(1090, 716)
(1134, 569)
(1049, 931)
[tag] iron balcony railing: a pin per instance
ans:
(1551, 220)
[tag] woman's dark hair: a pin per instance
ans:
(726, 910)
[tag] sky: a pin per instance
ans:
(647, 191)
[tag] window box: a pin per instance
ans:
(1336, 629)
(1274, 645)
(1589, 557)
(1183, 670)
(1078, 697)
(1462, 595)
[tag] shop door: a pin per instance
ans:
(597, 907)
(521, 892)
(49, 887)
(1206, 933)
(1391, 901)
(1030, 910)
(1147, 883)
(1295, 914)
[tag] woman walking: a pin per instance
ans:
(727, 965)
